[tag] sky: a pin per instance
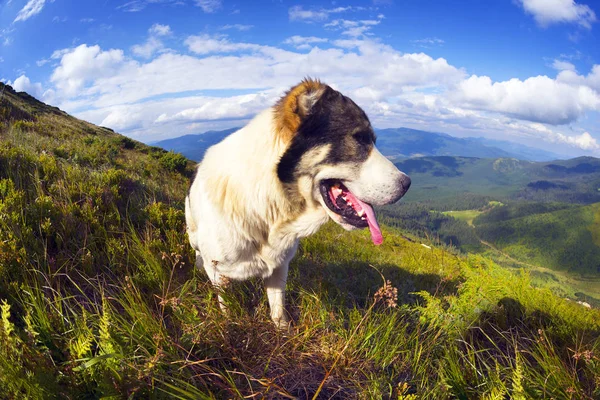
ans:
(526, 71)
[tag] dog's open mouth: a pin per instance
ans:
(355, 212)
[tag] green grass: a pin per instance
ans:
(466, 215)
(561, 240)
(99, 298)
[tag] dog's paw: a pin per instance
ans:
(282, 324)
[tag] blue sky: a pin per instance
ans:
(521, 70)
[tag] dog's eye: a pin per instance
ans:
(363, 137)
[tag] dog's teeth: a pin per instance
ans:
(349, 203)
(344, 197)
(363, 218)
(361, 213)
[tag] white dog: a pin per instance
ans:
(278, 179)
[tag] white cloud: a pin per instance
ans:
(235, 107)
(139, 5)
(146, 50)
(153, 44)
(304, 42)
(30, 9)
(562, 103)
(85, 64)
(209, 6)
(1, 60)
(298, 13)
(206, 44)
(561, 65)
(396, 89)
(571, 77)
(433, 41)
(354, 28)
(23, 84)
(239, 27)
(546, 12)
(160, 30)
(87, 20)
(584, 141)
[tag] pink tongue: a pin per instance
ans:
(376, 235)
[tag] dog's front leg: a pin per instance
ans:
(275, 287)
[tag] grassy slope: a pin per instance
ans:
(98, 297)
(562, 240)
(465, 215)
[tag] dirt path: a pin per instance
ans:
(491, 246)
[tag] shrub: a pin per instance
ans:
(173, 161)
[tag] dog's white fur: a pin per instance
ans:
(240, 219)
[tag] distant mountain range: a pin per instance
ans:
(394, 143)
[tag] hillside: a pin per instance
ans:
(393, 143)
(99, 298)
(571, 181)
(567, 239)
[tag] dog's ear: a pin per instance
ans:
(297, 103)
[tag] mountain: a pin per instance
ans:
(99, 296)
(404, 142)
(394, 143)
(194, 146)
(519, 151)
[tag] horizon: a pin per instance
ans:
(157, 69)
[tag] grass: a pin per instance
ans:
(99, 298)
(467, 215)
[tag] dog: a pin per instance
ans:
(309, 158)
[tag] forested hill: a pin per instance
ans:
(574, 181)
(99, 297)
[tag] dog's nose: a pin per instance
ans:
(405, 182)
(402, 184)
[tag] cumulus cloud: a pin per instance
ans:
(24, 84)
(31, 8)
(396, 89)
(160, 30)
(562, 103)
(547, 12)
(562, 65)
(85, 64)
(235, 107)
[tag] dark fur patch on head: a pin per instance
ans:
(333, 120)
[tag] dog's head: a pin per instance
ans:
(331, 159)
